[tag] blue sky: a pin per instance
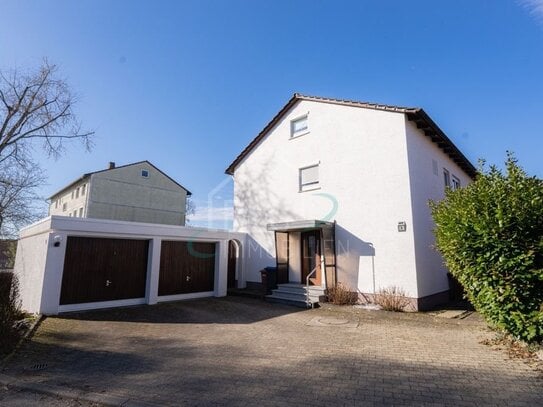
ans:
(187, 85)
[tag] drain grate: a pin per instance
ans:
(39, 366)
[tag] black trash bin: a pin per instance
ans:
(269, 279)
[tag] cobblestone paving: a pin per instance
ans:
(237, 351)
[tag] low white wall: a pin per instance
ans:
(39, 264)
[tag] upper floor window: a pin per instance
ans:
(455, 182)
(83, 187)
(145, 173)
(64, 207)
(446, 178)
(309, 178)
(298, 126)
(80, 212)
(56, 203)
(73, 194)
(77, 192)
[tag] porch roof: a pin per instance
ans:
(299, 225)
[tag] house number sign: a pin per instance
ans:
(402, 226)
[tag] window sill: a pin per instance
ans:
(298, 135)
(309, 190)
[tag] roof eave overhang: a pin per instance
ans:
(298, 225)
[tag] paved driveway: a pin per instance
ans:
(237, 351)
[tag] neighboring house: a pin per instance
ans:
(137, 192)
(341, 189)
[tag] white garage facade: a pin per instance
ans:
(66, 264)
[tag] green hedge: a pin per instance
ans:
(490, 235)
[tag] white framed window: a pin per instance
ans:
(455, 182)
(73, 194)
(56, 203)
(80, 212)
(309, 178)
(77, 192)
(446, 178)
(145, 173)
(299, 126)
(64, 207)
(75, 213)
(83, 188)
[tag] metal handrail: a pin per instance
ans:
(307, 301)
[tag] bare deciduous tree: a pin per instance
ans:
(36, 111)
(37, 107)
(19, 201)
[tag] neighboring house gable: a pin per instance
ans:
(138, 192)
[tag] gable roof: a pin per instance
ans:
(88, 174)
(415, 114)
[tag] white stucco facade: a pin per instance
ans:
(39, 263)
(375, 170)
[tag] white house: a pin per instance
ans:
(337, 191)
(137, 192)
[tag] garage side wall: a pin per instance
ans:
(29, 270)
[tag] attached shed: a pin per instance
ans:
(69, 264)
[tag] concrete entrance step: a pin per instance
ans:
(296, 294)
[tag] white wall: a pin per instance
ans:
(30, 266)
(363, 168)
(425, 186)
(39, 264)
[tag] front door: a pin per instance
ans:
(311, 256)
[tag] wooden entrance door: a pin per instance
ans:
(232, 283)
(311, 256)
(186, 267)
(97, 269)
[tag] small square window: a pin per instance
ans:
(446, 178)
(309, 178)
(299, 126)
(455, 182)
(145, 173)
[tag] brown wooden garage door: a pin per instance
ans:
(186, 267)
(97, 269)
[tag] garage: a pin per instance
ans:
(103, 269)
(186, 267)
(67, 264)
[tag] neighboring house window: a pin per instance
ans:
(83, 187)
(446, 178)
(145, 173)
(64, 206)
(72, 194)
(298, 126)
(80, 212)
(77, 192)
(455, 182)
(56, 203)
(309, 178)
